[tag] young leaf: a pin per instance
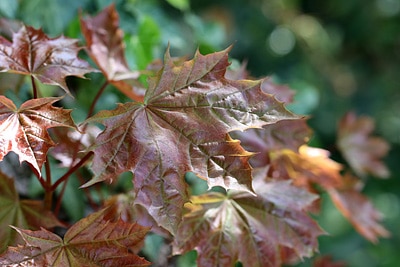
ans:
(104, 40)
(31, 52)
(182, 126)
(362, 151)
(360, 212)
(287, 134)
(29, 214)
(308, 166)
(123, 206)
(23, 130)
(92, 241)
(271, 231)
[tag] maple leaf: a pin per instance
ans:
(123, 206)
(271, 229)
(20, 213)
(182, 126)
(358, 209)
(49, 60)
(105, 45)
(23, 130)
(307, 166)
(281, 92)
(92, 241)
(285, 134)
(362, 151)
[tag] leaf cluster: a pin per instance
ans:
(189, 116)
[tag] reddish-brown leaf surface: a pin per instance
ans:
(286, 134)
(104, 40)
(307, 166)
(23, 130)
(362, 151)
(123, 206)
(49, 60)
(265, 230)
(28, 214)
(92, 241)
(182, 126)
(312, 166)
(359, 210)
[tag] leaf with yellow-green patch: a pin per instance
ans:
(22, 213)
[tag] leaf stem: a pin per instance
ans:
(35, 93)
(38, 176)
(71, 170)
(96, 98)
(48, 195)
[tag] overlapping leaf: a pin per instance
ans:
(312, 166)
(104, 40)
(268, 230)
(307, 166)
(182, 126)
(31, 52)
(288, 134)
(92, 241)
(23, 130)
(123, 206)
(362, 151)
(28, 214)
(358, 209)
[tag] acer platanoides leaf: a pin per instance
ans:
(32, 52)
(105, 45)
(270, 232)
(30, 214)
(360, 211)
(361, 150)
(23, 130)
(182, 126)
(92, 241)
(286, 134)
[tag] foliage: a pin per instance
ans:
(178, 117)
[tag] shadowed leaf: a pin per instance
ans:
(28, 214)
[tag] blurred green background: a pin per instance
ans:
(338, 55)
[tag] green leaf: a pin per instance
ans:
(29, 214)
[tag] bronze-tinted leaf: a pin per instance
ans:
(361, 150)
(104, 40)
(23, 130)
(286, 134)
(182, 126)
(359, 210)
(92, 241)
(49, 60)
(242, 227)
